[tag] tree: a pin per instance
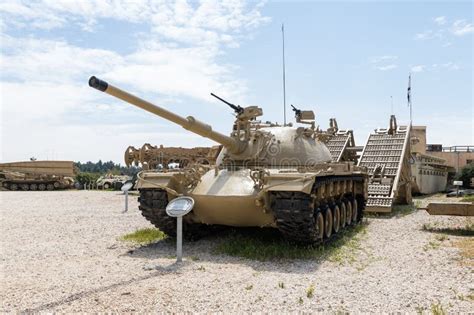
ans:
(102, 168)
(467, 172)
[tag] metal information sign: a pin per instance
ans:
(457, 183)
(178, 208)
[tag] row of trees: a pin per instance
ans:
(105, 168)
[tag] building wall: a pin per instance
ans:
(455, 159)
(418, 139)
(429, 174)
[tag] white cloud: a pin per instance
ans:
(448, 66)
(418, 68)
(435, 67)
(443, 33)
(378, 59)
(176, 20)
(32, 59)
(430, 34)
(387, 67)
(461, 28)
(44, 81)
(384, 63)
(440, 20)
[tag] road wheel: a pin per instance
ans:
(33, 187)
(13, 187)
(106, 186)
(57, 185)
(328, 218)
(25, 187)
(337, 218)
(349, 212)
(320, 225)
(50, 187)
(355, 211)
(343, 214)
(41, 187)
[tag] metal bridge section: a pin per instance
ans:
(387, 158)
(338, 144)
(341, 143)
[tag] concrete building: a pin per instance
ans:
(455, 156)
(429, 173)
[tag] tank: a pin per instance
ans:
(109, 181)
(37, 175)
(266, 175)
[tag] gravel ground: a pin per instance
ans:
(60, 252)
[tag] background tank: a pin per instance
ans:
(37, 175)
(108, 181)
(266, 175)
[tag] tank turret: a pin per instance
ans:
(251, 141)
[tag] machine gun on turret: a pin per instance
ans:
(237, 108)
(244, 114)
(304, 116)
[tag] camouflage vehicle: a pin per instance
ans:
(111, 181)
(37, 175)
(266, 175)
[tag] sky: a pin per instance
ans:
(346, 60)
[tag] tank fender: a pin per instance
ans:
(302, 183)
(154, 180)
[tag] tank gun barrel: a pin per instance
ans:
(188, 123)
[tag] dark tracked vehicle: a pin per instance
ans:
(266, 175)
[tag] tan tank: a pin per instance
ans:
(266, 175)
(37, 175)
(108, 181)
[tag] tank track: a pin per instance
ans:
(152, 204)
(295, 212)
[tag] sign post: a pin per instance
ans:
(457, 183)
(178, 208)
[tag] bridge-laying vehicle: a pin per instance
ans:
(37, 175)
(266, 175)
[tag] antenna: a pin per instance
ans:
(391, 104)
(284, 79)
(409, 97)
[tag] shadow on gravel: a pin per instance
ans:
(398, 211)
(261, 249)
(449, 231)
(88, 293)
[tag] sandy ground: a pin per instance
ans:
(60, 252)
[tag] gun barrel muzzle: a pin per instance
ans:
(98, 84)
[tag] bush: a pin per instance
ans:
(84, 178)
(467, 172)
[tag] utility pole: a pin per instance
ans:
(284, 74)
